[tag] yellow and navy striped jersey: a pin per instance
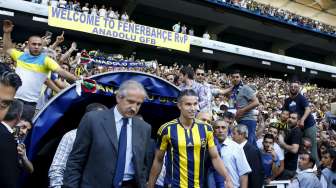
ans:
(281, 125)
(186, 150)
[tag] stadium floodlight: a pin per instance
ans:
(266, 63)
(40, 19)
(6, 13)
(290, 67)
(207, 51)
(313, 72)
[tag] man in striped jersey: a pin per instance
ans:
(187, 141)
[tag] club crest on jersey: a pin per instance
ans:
(203, 143)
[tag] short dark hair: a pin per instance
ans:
(14, 110)
(4, 67)
(298, 115)
(295, 79)
(331, 152)
(11, 79)
(187, 92)
(306, 139)
(189, 71)
(269, 136)
(34, 36)
(310, 157)
(236, 71)
(94, 107)
(228, 115)
(26, 116)
(67, 64)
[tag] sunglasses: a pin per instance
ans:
(200, 74)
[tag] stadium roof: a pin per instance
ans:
(322, 10)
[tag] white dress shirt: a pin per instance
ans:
(243, 144)
(234, 160)
(8, 127)
(129, 166)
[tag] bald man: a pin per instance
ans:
(204, 116)
(32, 66)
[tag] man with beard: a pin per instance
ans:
(243, 99)
(296, 102)
(291, 146)
(110, 149)
(187, 142)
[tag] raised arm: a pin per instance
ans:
(7, 39)
(59, 40)
(68, 53)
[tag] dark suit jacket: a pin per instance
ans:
(92, 161)
(253, 156)
(9, 166)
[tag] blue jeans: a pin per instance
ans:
(251, 126)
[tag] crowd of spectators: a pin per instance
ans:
(279, 14)
(251, 6)
(211, 87)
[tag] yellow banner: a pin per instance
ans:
(107, 27)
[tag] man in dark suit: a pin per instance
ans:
(253, 156)
(9, 172)
(111, 146)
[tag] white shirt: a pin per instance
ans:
(94, 11)
(176, 28)
(243, 144)
(62, 3)
(111, 14)
(129, 166)
(124, 17)
(8, 127)
(206, 36)
(234, 160)
(102, 12)
(85, 10)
